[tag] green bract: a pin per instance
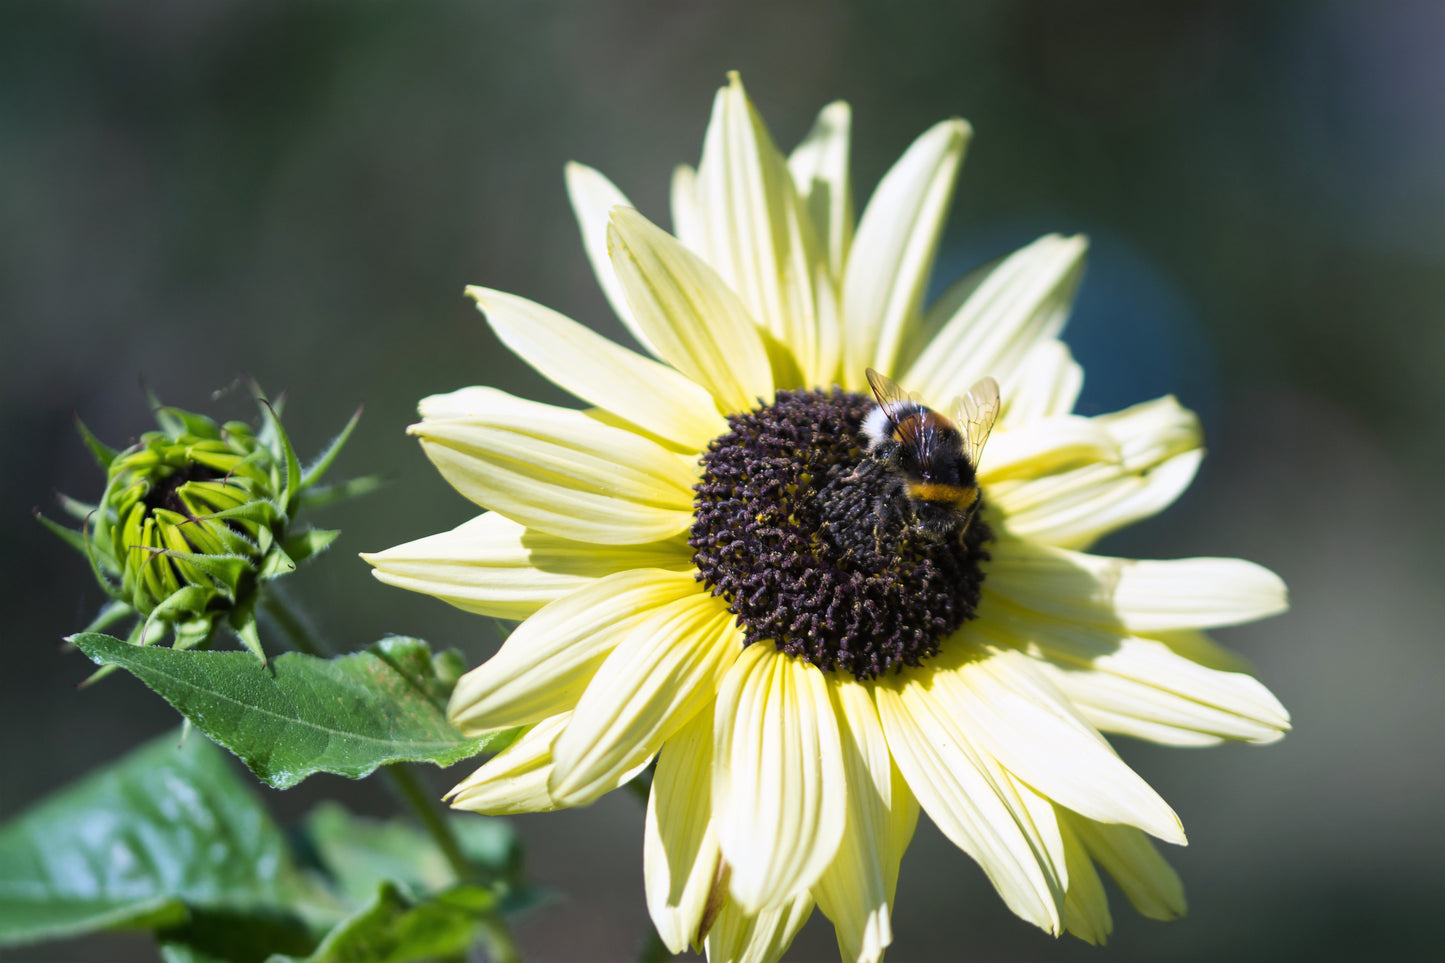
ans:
(195, 518)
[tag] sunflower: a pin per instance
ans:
(713, 575)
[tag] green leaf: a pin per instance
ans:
(250, 936)
(301, 715)
(395, 927)
(166, 828)
(361, 853)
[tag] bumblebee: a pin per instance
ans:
(932, 461)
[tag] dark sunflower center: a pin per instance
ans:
(166, 492)
(812, 543)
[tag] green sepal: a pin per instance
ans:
(178, 422)
(76, 508)
(226, 569)
(97, 675)
(291, 467)
(165, 417)
(70, 536)
(184, 600)
(309, 543)
(104, 454)
(238, 429)
(258, 512)
(302, 715)
(243, 623)
(277, 562)
(323, 495)
(110, 613)
(323, 461)
(193, 633)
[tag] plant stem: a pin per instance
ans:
(404, 780)
(499, 940)
(292, 623)
(411, 790)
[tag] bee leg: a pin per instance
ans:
(856, 475)
(883, 510)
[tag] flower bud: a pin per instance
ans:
(195, 518)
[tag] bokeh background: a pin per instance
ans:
(298, 192)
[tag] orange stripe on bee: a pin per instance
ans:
(915, 424)
(936, 492)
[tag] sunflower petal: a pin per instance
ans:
(1086, 907)
(757, 236)
(648, 394)
(1014, 713)
(1132, 595)
(1144, 688)
(1046, 384)
(493, 566)
(1040, 448)
(696, 322)
(970, 800)
(779, 793)
(556, 470)
(1023, 301)
(687, 222)
(893, 251)
(545, 664)
(663, 669)
(1146, 878)
(820, 170)
(758, 938)
(856, 890)
(1156, 454)
(514, 781)
(680, 852)
(593, 196)
(1076, 509)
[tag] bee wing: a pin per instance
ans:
(894, 401)
(976, 413)
(902, 408)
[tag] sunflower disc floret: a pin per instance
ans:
(787, 531)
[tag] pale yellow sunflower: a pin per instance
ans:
(713, 573)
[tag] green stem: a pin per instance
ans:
(409, 787)
(404, 780)
(499, 940)
(291, 622)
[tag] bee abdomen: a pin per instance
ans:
(961, 495)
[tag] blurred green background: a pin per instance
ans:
(298, 192)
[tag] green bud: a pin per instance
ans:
(196, 518)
